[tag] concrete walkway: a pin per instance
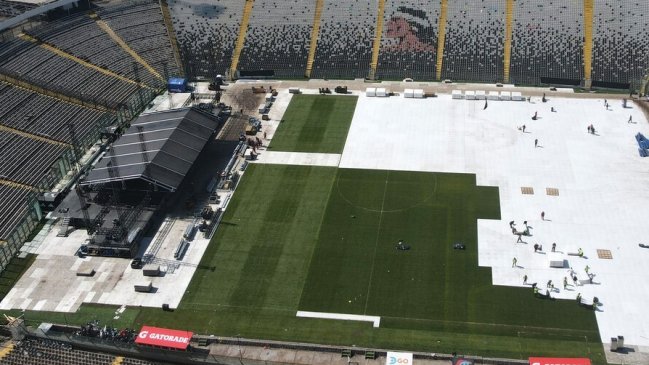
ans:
(261, 355)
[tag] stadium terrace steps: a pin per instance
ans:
(243, 29)
(17, 185)
(376, 46)
(507, 52)
(441, 38)
(588, 39)
(6, 350)
(314, 37)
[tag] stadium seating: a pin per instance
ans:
(345, 40)
(409, 40)
(43, 116)
(278, 37)
(13, 208)
(26, 161)
(42, 351)
(41, 67)
(141, 26)
(206, 34)
(475, 36)
(82, 37)
(620, 48)
(547, 41)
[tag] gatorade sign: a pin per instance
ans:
(398, 358)
(163, 337)
(558, 361)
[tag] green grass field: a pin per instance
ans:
(315, 123)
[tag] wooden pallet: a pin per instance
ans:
(552, 191)
(527, 190)
(605, 254)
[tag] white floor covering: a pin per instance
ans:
(298, 158)
(603, 187)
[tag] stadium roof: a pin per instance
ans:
(159, 148)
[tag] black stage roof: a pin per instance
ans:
(172, 140)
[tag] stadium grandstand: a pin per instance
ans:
(62, 84)
(35, 351)
(458, 40)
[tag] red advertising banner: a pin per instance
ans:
(163, 337)
(559, 361)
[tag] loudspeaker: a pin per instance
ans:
(165, 307)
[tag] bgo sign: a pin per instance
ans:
(461, 361)
(398, 358)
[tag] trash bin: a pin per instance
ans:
(613, 343)
(620, 342)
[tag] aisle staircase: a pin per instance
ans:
(315, 31)
(588, 40)
(49, 93)
(241, 39)
(65, 226)
(376, 46)
(33, 136)
(6, 350)
(509, 19)
(117, 39)
(441, 38)
(166, 16)
(17, 185)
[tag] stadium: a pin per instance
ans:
(323, 182)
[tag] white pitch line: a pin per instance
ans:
(376, 320)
